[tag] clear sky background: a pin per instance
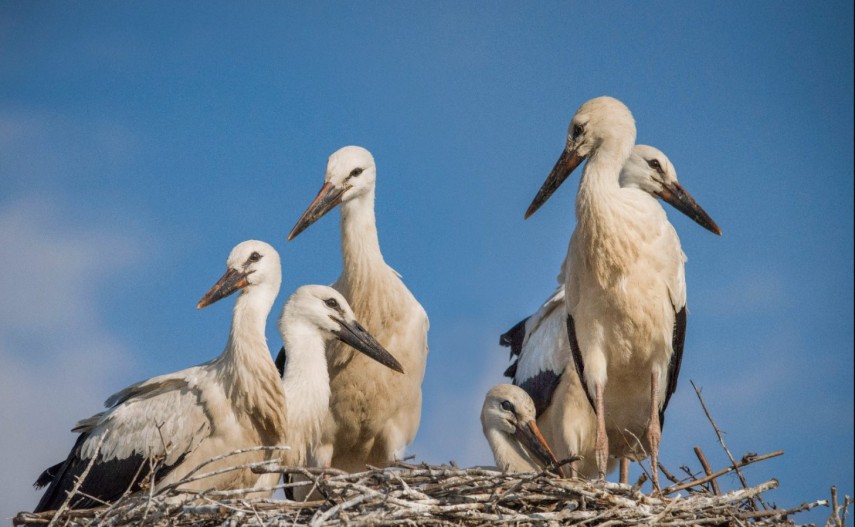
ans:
(139, 142)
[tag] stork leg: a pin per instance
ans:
(654, 429)
(602, 444)
(624, 470)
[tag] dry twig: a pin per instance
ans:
(426, 495)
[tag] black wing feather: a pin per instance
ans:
(540, 388)
(280, 361)
(514, 338)
(677, 341)
(577, 359)
(107, 481)
(48, 475)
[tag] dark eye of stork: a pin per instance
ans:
(254, 257)
(578, 129)
(508, 406)
(655, 165)
(355, 172)
(331, 302)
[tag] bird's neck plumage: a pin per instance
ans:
(602, 216)
(306, 384)
(368, 284)
(509, 454)
(250, 377)
(360, 246)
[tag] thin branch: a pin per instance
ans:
(80, 479)
(745, 461)
(707, 470)
(776, 513)
(721, 441)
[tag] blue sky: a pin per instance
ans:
(140, 143)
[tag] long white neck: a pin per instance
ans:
(510, 456)
(602, 216)
(306, 384)
(600, 182)
(372, 288)
(360, 246)
(251, 378)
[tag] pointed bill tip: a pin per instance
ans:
(567, 162)
(356, 336)
(715, 228)
(538, 446)
(675, 195)
(531, 210)
(230, 282)
(328, 197)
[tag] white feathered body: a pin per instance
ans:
(188, 417)
(624, 280)
(375, 412)
(305, 381)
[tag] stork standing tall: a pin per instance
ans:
(508, 421)
(185, 418)
(543, 351)
(625, 289)
(374, 413)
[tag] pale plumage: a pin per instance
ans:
(375, 412)
(314, 316)
(186, 418)
(540, 342)
(508, 421)
(624, 280)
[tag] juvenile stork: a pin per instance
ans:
(564, 414)
(508, 421)
(625, 288)
(314, 316)
(179, 420)
(543, 351)
(374, 412)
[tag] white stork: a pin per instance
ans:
(564, 414)
(508, 421)
(540, 342)
(625, 288)
(183, 419)
(374, 412)
(314, 316)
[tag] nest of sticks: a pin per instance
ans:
(428, 495)
(410, 494)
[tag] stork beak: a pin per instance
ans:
(228, 284)
(353, 334)
(677, 197)
(568, 162)
(529, 435)
(328, 197)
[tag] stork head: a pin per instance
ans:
(350, 173)
(251, 265)
(326, 309)
(509, 410)
(600, 126)
(650, 170)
